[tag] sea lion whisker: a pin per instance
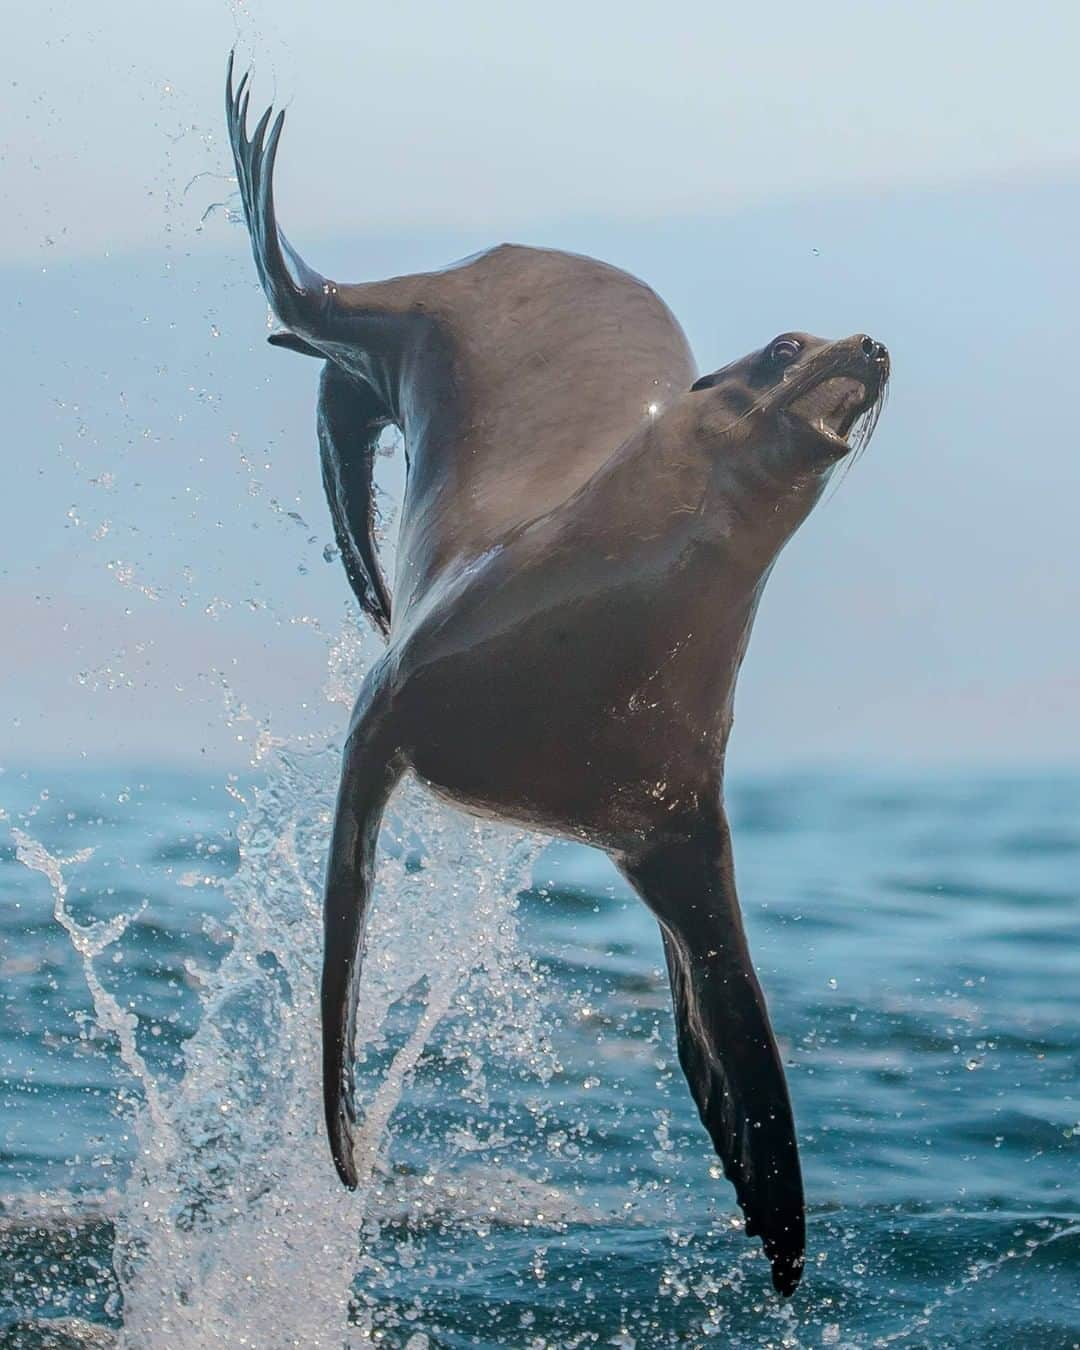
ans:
(859, 437)
(869, 420)
(739, 418)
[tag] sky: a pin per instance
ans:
(500, 116)
(912, 171)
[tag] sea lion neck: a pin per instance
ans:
(723, 491)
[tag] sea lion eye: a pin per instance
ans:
(785, 349)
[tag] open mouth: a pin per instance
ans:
(834, 405)
(845, 407)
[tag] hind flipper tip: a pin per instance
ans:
(270, 150)
(259, 132)
(243, 100)
(234, 96)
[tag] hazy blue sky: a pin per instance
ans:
(911, 170)
(502, 115)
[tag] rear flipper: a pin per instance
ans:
(726, 1045)
(295, 292)
(372, 765)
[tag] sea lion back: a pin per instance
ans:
(553, 360)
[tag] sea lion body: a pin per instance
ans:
(586, 531)
(517, 328)
(598, 645)
(513, 375)
(593, 675)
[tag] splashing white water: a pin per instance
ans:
(232, 1228)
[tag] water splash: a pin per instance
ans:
(90, 941)
(232, 1229)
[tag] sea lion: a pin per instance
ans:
(585, 535)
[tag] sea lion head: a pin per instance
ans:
(819, 399)
(774, 424)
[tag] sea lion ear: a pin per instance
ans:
(706, 381)
(294, 344)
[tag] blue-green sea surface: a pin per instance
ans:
(533, 1171)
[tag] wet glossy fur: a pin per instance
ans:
(584, 540)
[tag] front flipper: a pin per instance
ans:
(726, 1045)
(370, 769)
(350, 420)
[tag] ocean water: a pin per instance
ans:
(534, 1173)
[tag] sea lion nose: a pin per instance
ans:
(875, 351)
